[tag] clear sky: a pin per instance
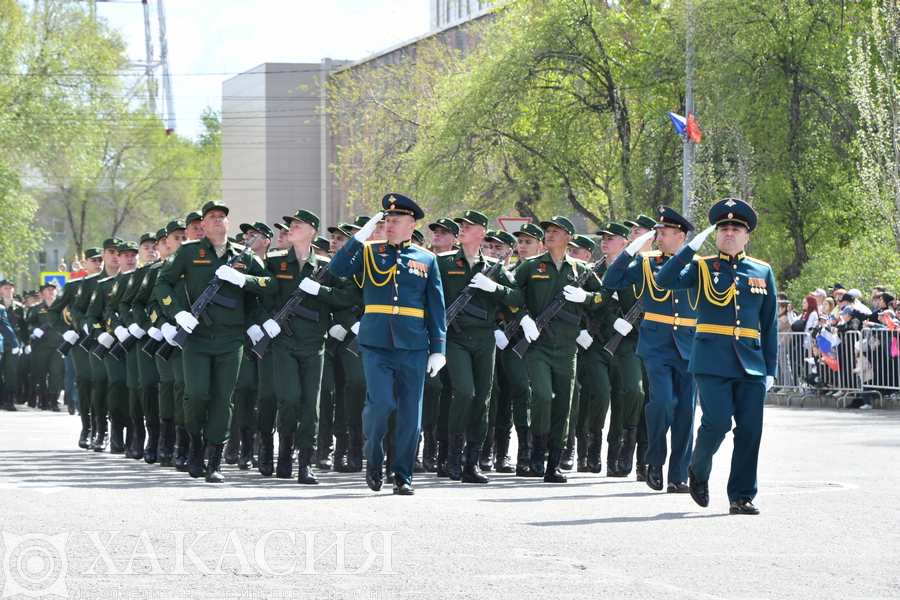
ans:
(212, 40)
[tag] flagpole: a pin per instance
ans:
(687, 178)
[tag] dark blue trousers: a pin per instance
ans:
(722, 398)
(386, 368)
(671, 408)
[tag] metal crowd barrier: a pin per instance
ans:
(881, 348)
(804, 375)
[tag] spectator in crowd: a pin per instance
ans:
(810, 314)
(789, 347)
(876, 290)
(861, 309)
(863, 372)
(828, 306)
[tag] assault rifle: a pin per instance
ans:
(555, 309)
(292, 307)
(461, 304)
(332, 344)
(200, 306)
(633, 314)
(66, 346)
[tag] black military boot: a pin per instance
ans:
(101, 440)
(581, 447)
(70, 402)
(150, 450)
(486, 460)
(32, 398)
(355, 450)
(567, 458)
(537, 455)
(304, 469)
(418, 467)
(136, 446)
(232, 448)
(166, 442)
(390, 455)
(595, 452)
(454, 456)
(442, 452)
(612, 461)
(640, 468)
(245, 459)
(182, 449)
(213, 469)
(283, 468)
(503, 464)
(266, 453)
(84, 440)
(429, 449)
(523, 457)
(116, 441)
(552, 473)
(471, 473)
(374, 477)
(626, 453)
(341, 447)
(6, 401)
(323, 452)
(195, 465)
(53, 402)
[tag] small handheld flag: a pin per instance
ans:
(686, 127)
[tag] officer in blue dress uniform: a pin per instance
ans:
(667, 333)
(734, 357)
(402, 332)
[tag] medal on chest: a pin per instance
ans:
(716, 266)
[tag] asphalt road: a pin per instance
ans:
(829, 528)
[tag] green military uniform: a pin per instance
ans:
(62, 320)
(47, 367)
(299, 353)
(551, 360)
(471, 353)
(15, 314)
(212, 353)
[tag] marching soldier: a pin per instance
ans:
(63, 321)
(15, 313)
(47, 367)
(667, 333)
(402, 333)
(736, 324)
(212, 353)
(471, 343)
(551, 359)
(299, 353)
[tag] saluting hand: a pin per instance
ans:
(701, 237)
(637, 244)
(365, 232)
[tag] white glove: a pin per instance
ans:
(574, 294)
(623, 326)
(85, 328)
(584, 339)
(106, 339)
(156, 334)
(529, 329)
(365, 232)
(637, 244)
(700, 238)
(135, 330)
(271, 328)
(310, 286)
(71, 337)
(770, 381)
(16, 351)
(436, 362)
(231, 275)
(28, 349)
(338, 332)
(500, 339)
(483, 283)
(168, 330)
(37, 333)
(121, 333)
(186, 321)
(355, 328)
(256, 333)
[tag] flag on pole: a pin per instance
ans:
(686, 127)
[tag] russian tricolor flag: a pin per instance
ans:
(686, 127)
(828, 343)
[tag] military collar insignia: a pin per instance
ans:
(740, 256)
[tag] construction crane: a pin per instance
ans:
(154, 63)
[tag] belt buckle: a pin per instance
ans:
(677, 321)
(737, 332)
(395, 310)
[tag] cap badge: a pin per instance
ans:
(730, 203)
